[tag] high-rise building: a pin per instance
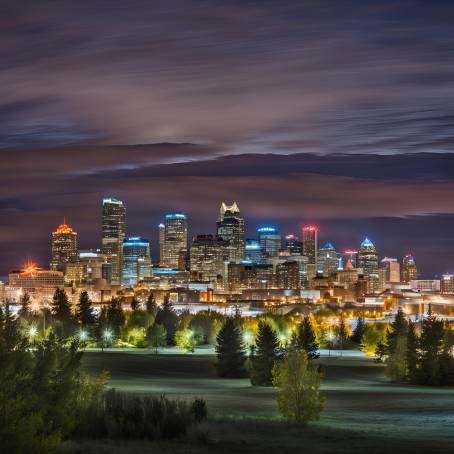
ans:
(409, 269)
(392, 267)
(64, 247)
(243, 276)
(293, 245)
(447, 284)
(113, 235)
(253, 252)
(162, 236)
(351, 256)
(134, 249)
(175, 240)
(230, 227)
(288, 275)
(368, 264)
(208, 257)
(310, 243)
(327, 260)
(269, 240)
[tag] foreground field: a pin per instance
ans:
(363, 410)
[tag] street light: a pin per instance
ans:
(32, 331)
(83, 335)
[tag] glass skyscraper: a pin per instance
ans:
(230, 227)
(269, 240)
(173, 241)
(135, 251)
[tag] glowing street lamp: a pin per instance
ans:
(83, 335)
(32, 331)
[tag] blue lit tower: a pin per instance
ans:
(269, 240)
(135, 250)
(368, 263)
(253, 252)
(327, 260)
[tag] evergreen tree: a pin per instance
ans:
(306, 339)
(446, 357)
(266, 352)
(398, 329)
(152, 307)
(115, 317)
(61, 311)
(342, 333)
(230, 351)
(167, 317)
(25, 310)
(412, 355)
(157, 336)
(84, 311)
(359, 330)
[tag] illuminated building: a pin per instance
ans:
(293, 245)
(144, 268)
(447, 284)
(134, 248)
(287, 275)
(351, 256)
(113, 235)
(92, 262)
(38, 283)
(368, 264)
(253, 252)
(230, 227)
(174, 241)
(269, 240)
(409, 269)
(327, 260)
(347, 276)
(425, 285)
(392, 268)
(169, 277)
(310, 243)
(162, 236)
(208, 255)
(249, 276)
(64, 247)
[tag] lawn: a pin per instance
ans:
(363, 410)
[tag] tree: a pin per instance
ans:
(61, 311)
(134, 304)
(396, 364)
(157, 336)
(306, 339)
(298, 388)
(84, 311)
(342, 333)
(412, 355)
(25, 310)
(115, 317)
(373, 337)
(184, 339)
(151, 307)
(266, 352)
(167, 317)
(230, 351)
(359, 330)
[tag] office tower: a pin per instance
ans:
(310, 243)
(293, 245)
(253, 252)
(134, 249)
(368, 264)
(92, 262)
(447, 284)
(269, 240)
(409, 269)
(392, 268)
(327, 260)
(64, 247)
(208, 256)
(113, 235)
(243, 276)
(230, 227)
(162, 236)
(288, 275)
(175, 240)
(351, 256)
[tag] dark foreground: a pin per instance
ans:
(364, 413)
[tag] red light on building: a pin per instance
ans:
(310, 228)
(349, 252)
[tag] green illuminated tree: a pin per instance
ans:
(306, 339)
(167, 317)
(157, 336)
(84, 311)
(25, 310)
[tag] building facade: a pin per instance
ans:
(327, 260)
(409, 269)
(64, 247)
(174, 241)
(310, 233)
(270, 241)
(368, 265)
(230, 227)
(135, 249)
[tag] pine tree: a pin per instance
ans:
(167, 317)
(266, 353)
(359, 330)
(342, 333)
(61, 311)
(25, 310)
(84, 311)
(152, 307)
(412, 355)
(230, 351)
(115, 317)
(398, 328)
(431, 347)
(306, 339)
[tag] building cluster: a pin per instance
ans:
(221, 266)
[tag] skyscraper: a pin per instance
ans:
(368, 263)
(174, 241)
(310, 243)
(230, 227)
(113, 235)
(135, 249)
(293, 245)
(409, 269)
(162, 236)
(64, 247)
(253, 252)
(327, 260)
(269, 240)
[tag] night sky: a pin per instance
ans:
(338, 112)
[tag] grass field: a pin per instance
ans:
(363, 410)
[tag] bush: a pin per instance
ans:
(118, 415)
